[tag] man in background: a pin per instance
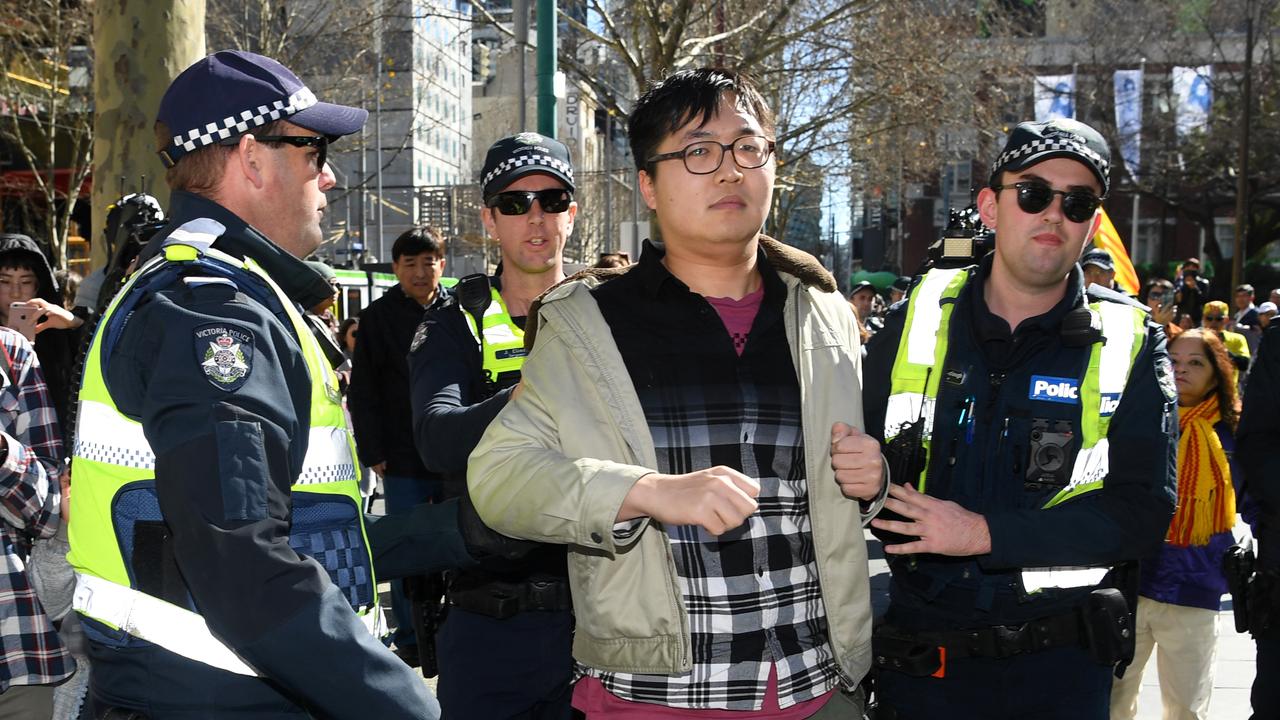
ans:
(379, 394)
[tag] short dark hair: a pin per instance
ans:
(21, 260)
(417, 240)
(681, 97)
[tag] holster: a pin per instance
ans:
(426, 597)
(1108, 627)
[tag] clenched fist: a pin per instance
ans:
(855, 456)
(717, 499)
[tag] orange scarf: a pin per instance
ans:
(1206, 499)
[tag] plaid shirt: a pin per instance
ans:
(29, 504)
(752, 594)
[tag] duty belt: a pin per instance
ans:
(501, 599)
(1102, 626)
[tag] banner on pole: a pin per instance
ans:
(1055, 97)
(1128, 86)
(1192, 89)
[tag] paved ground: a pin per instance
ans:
(1235, 665)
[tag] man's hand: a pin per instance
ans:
(381, 469)
(943, 527)
(717, 499)
(855, 456)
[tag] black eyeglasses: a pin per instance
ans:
(1033, 197)
(320, 142)
(705, 157)
(519, 202)
(1215, 318)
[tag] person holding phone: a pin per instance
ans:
(30, 302)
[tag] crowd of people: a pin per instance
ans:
(636, 492)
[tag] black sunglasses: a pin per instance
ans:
(519, 202)
(320, 142)
(1033, 197)
(1215, 318)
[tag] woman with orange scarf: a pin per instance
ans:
(1181, 589)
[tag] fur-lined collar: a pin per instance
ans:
(784, 259)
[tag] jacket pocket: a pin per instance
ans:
(327, 529)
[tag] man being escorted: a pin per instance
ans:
(1256, 440)
(677, 425)
(504, 646)
(221, 564)
(1031, 423)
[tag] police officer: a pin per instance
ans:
(1256, 440)
(1029, 422)
(220, 556)
(504, 646)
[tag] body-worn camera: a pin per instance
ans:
(1050, 450)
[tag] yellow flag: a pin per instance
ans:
(1108, 239)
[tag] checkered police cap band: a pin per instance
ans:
(513, 163)
(237, 124)
(1037, 147)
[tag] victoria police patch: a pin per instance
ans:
(225, 354)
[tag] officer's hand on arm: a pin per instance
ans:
(855, 456)
(942, 526)
(717, 499)
(380, 468)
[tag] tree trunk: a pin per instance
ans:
(138, 49)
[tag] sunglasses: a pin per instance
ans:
(1215, 318)
(320, 142)
(519, 202)
(1034, 197)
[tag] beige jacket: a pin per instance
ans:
(556, 463)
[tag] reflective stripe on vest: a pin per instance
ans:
(503, 340)
(917, 369)
(111, 452)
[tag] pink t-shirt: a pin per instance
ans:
(738, 315)
(590, 697)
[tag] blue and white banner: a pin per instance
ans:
(1128, 84)
(1055, 97)
(1191, 87)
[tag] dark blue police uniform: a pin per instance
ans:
(495, 661)
(984, 437)
(278, 610)
(1257, 438)
(241, 585)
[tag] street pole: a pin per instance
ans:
(547, 67)
(1133, 172)
(1242, 172)
(377, 130)
(520, 26)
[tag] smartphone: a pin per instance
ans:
(23, 317)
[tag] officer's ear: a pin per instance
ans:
(987, 207)
(250, 160)
(486, 219)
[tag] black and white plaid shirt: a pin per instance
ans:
(751, 594)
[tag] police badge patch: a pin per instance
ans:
(225, 354)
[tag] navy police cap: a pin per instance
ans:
(515, 156)
(233, 92)
(1034, 142)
